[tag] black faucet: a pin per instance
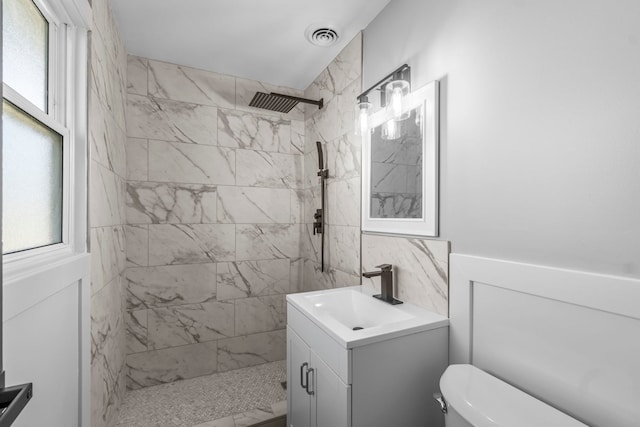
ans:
(386, 276)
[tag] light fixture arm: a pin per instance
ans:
(401, 73)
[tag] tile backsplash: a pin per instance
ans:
(420, 267)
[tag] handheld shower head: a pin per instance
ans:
(320, 155)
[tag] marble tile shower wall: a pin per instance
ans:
(107, 88)
(333, 126)
(213, 207)
(421, 268)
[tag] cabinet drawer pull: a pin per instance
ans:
(302, 376)
(310, 371)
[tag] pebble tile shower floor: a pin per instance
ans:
(237, 398)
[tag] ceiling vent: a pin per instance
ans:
(323, 36)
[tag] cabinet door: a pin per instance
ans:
(331, 403)
(299, 404)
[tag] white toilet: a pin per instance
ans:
(472, 397)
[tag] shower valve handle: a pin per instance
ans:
(317, 225)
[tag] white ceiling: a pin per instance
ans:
(256, 39)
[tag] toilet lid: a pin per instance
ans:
(485, 401)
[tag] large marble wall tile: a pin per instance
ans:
(297, 206)
(344, 157)
(106, 138)
(100, 13)
(344, 248)
(311, 135)
(100, 71)
(137, 245)
(108, 257)
(322, 87)
(246, 89)
(106, 196)
(166, 120)
(150, 202)
(316, 279)
(106, 320)
(311, 164)
(312, 201)
(347, 66)
(238, 129)
(267, 241)
(251, 350)
(191, 243)
(297, 274)
(243, 205)
(189, 324)
(137, 75)
(421, 268)
(105, 396)
(171, 364)
(326, 121)
(311, 243)
(297, 137)
(260, 314)
(137, 151)
(107, 352)
(343, 204)
(187, 163)
(170, 285)
(107, 174)
(252, 278)
(346, 102)
(181, 83)
(136, 323)
(259, 168)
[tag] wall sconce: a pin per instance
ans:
(393, 88)
(363, 109)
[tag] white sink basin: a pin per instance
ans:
(353, 309)
(353, 317)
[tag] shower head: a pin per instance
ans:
(320, 155)
(279, 102)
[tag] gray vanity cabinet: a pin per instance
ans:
(377, 384)
(317, 395)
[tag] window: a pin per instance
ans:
(35, 135)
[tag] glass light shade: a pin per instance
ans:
(391, 130)
(394, 93)
(362, 118)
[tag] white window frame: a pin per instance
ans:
(67, 86)
(32, 276)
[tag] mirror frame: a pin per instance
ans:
(427, 97)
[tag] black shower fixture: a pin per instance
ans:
(318, 224)
(280, 102)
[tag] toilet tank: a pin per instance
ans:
(483, 400)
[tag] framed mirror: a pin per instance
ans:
(400, 167)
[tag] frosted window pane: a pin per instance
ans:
(25, 37)
(32, 182)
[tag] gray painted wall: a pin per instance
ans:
(540, 149)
